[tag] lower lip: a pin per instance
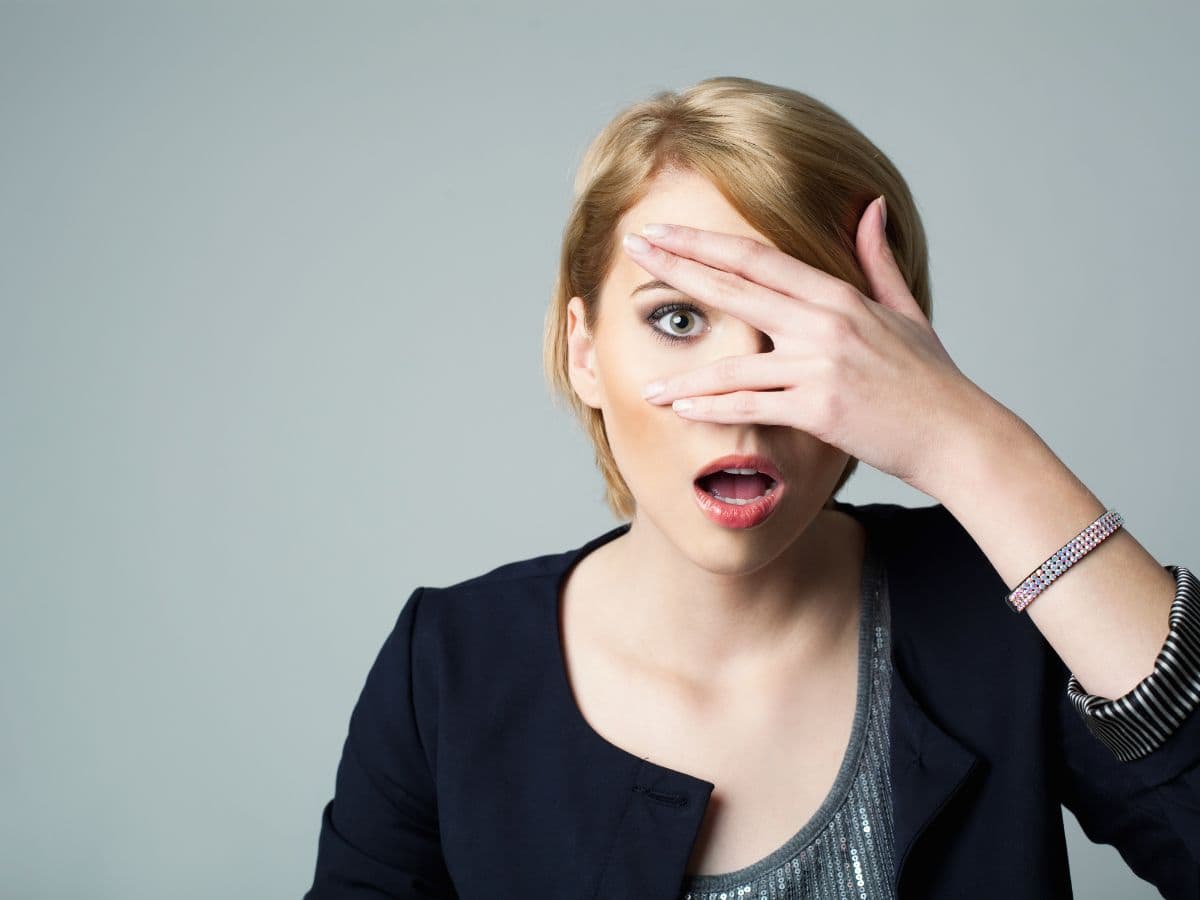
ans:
(745, 515)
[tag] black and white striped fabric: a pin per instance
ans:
(1141, 720)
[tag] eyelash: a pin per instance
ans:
(658, 314)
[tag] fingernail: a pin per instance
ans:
(654, 387)
(883, 211)
(655, 231)
(635, 243)
(682, 404)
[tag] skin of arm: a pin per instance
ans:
(1107, 617)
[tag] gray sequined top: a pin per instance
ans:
(845, 849)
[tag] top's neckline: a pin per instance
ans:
(869, 582)
(869, 585)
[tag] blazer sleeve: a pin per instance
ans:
(379, 833)
(1129, 768)
(1139, 721)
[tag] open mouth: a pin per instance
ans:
(737, 487)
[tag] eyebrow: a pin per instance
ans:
(654, 285)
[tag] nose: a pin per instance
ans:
(744, 340)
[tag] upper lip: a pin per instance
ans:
(741, 461)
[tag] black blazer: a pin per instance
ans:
(469, 771)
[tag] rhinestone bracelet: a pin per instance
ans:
(1073, 551)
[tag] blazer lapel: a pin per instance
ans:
(650, 851)
(928, 767)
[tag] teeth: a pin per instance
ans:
(733, 501)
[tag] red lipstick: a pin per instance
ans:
(745, 514)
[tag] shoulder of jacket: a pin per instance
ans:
(925, 537)
(485, 600)
(945, 590)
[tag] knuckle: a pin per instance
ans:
(834, 407)
(747, 252)
(794, 317)
(727, 370)
(833, 328)
(830, 365)
(826, 410)
(848, 295)
(744, 403)
(840, 328)
(724, 285)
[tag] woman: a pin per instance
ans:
(751, 688)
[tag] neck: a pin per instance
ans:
(666, 612)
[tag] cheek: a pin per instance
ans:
(646, 438)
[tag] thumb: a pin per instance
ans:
(879, 265)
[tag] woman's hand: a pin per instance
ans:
(868, 376)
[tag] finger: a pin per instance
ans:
(887, 283)
(756, 372)
(760, 407)
(758, 306)
(753, 260)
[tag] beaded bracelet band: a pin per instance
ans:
(1073, 551)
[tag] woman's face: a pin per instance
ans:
(639, 338)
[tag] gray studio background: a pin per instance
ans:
(273, 280)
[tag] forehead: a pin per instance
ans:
(685, 198)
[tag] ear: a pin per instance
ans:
(581, 356)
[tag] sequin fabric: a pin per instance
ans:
(845, 850)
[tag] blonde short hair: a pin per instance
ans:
(797, 171)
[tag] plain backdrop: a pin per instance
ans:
(273, 281)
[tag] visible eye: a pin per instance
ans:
(674, 315)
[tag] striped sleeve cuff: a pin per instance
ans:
(1141, 720)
